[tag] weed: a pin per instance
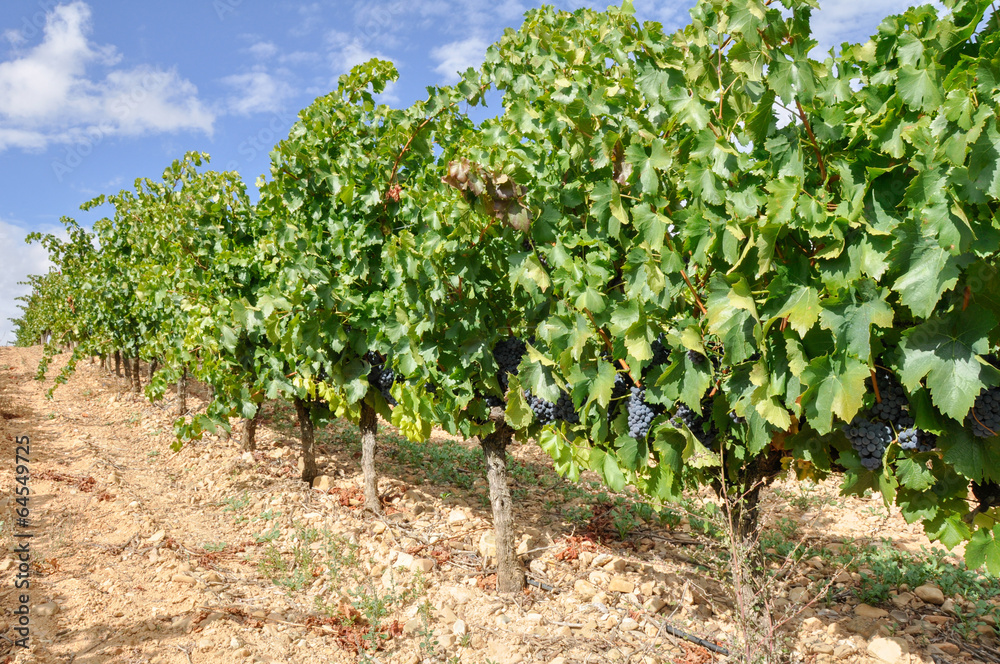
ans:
(237, 504)
(214, 546)
(578, 514)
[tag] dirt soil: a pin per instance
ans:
(211, 554)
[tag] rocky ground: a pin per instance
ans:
(210, 554)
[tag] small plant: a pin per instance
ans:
(213, 547)
(578, 514)
(237, 504)
(152, 454)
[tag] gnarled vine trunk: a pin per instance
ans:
(308, 433)
(368, 425)
(182, 393)
(128, 371)
(250, 430)
(118, 363)
(510, 576)
(136, 377)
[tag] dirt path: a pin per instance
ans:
(142, 554)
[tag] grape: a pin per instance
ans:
(640, 413)
(984, 418)
(695, 357)
(696, 423)
(661, 355)
(380, 377)
(618, 394)
(869, 440)
(912, 438)
(893, 399)
(545, 411)
(564, 409)
(508, 354)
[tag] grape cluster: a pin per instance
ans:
(564, 409)
(893, 399)
(984, 418)
(696, 357)
(696, 423)
(381, 377)
(547, 412)
(508, 354)
(640, 413)
(913, 439)
(869, 439)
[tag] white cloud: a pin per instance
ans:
(258, 92)
(263, 50)
(47, 96)
(458, 56)
(17, 261)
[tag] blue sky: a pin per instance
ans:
(96, 94)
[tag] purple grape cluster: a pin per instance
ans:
(507, 354)
(869, 439)
(984, 418)
(892, 406)
(381, 377)
(696, 423)
(640, 413)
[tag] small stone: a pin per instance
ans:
(488, 546)
(184, 578)
(447, 641)
(949, 607)
(323, 482)
(558, 660)
(459, 628)
(412, 626)
(654, 604)
(457, 516)
(446, 615)
(424, 565)
(601, 559)
(620, 585)
(843, 651)
(891, 650)
(870, 612)
(534, 619)
(629, 624)
(930, 594)
(564, 631)
(902, 600)
(822, 648)
(404, 560)
(616, 566)
(844, 577)
(798, 595)
(813, 624)
(585, 589)
(46, 609)
(157, 537)
(863, 626)
(378, 527)
(944, 648)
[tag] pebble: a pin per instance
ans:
(891, 650)
(46, 609)
(930, 594)
(620, 585)
(584, 589)
(870, 612)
